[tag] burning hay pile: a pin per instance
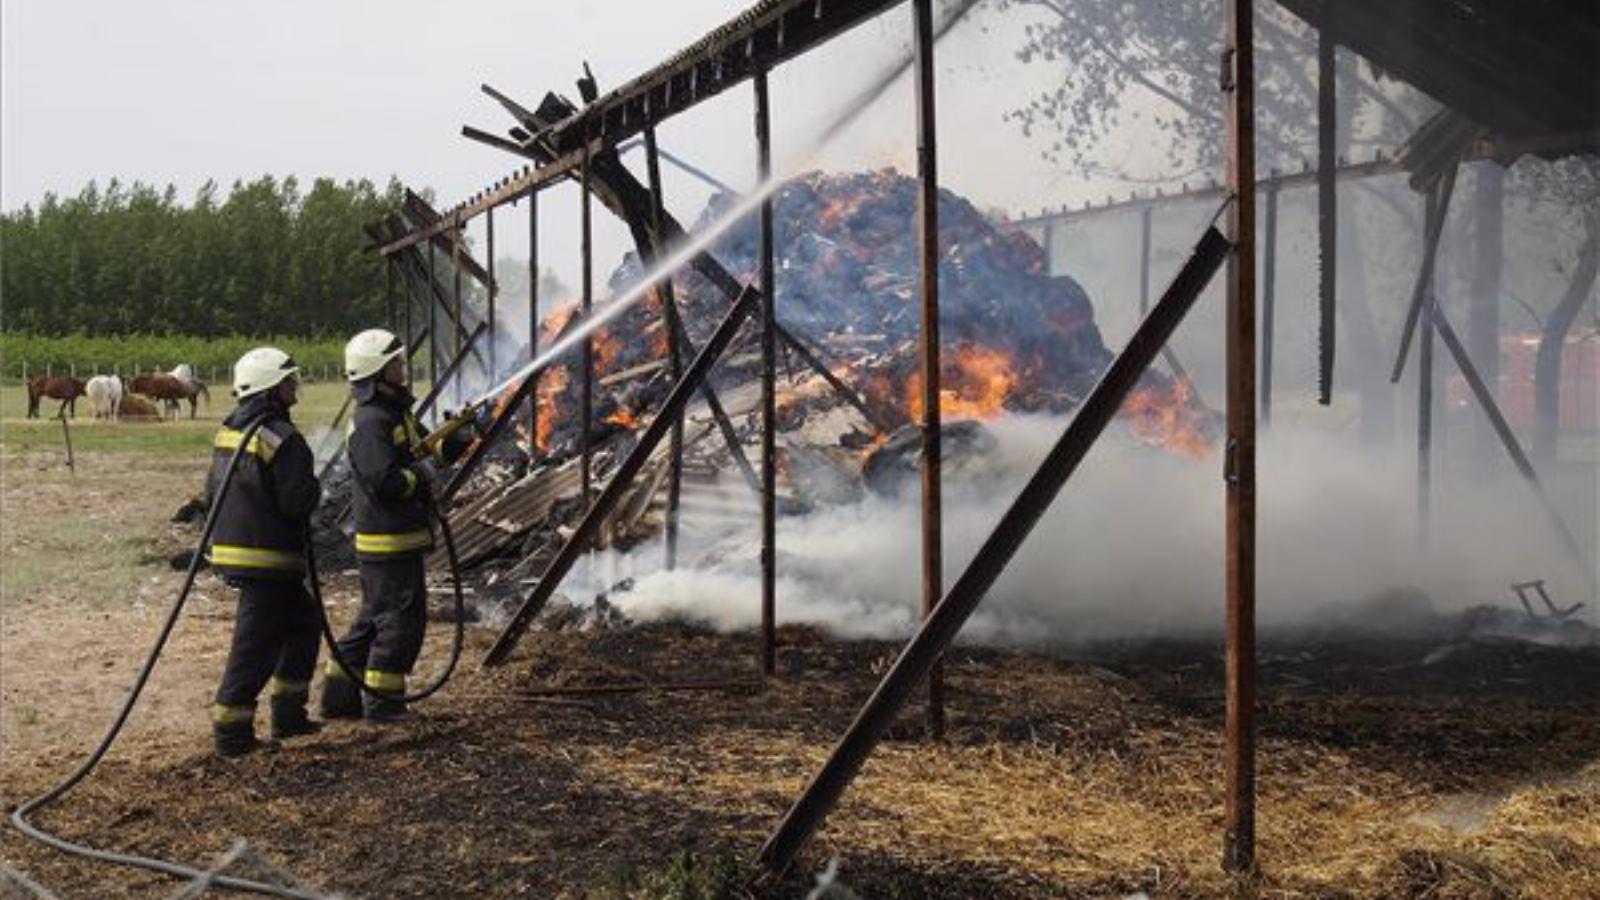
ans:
(1015, 337)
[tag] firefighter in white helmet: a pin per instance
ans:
(259, 546)
(392, 492)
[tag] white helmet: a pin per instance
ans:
(368, 352)
(260, 369)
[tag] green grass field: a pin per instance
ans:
(319, 402)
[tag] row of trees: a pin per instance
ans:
(266, 258)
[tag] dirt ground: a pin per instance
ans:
(1387, 770)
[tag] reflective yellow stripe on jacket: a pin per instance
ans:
(263, 443)
(392, 543)
(254, 558)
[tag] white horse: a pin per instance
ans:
(105, 396)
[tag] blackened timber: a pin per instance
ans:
(1239, 466)
(1269, 287)
(759, 39)
(928, 290)
(420, 212)
(1438, 209)
(496, 141)
(1327, 211)
(533, 319)
(669, 314)
(940, 628)
(433, 326)
(586, 385)
(620, 482)
(510, 189)
(766, 648)
(450, 370)
(799, 344)
(492, 288)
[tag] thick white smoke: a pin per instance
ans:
(1132, 547)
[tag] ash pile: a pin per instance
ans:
(1015, 339)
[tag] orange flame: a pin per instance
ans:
(1168, 418)
(975, 382)
(624, 418)
(551, 384)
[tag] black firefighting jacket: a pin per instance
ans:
(391, 498)
(264, 522)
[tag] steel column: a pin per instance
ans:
(653, 433)
(928, 272)
(1269, 289)
(1327, 210)
(586, 393)
(1239, 813)
(669, 314)
(940, 628)
(766, 656)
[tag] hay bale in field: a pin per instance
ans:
(139, 408)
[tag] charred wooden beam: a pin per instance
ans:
(928, 290)
(653, 434)
(586, 383)
(760, 38)
(940, 628)
(669, 314)
(497, 142)
(1438, 209)
(1239, 467)
(421, 213)
(766, 650)
(1327, 212)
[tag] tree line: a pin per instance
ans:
(267, 258)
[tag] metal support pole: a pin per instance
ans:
(928, 247)
(653, 433)
(766, 655)
(586, 393)
(492, 288)
(940, 628)
(669, 314)
(1144, 258)
(1239, 839)
(1269, 289)
(533, 318)
(1327, 210)
(1049, 247)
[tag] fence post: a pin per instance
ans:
(49, 368)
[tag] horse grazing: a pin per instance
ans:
(169, 389)
(57, 387)
(105, 396)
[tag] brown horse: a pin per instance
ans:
(169, 389)
(57, 387)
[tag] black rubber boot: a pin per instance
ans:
(289, 718)
(341, 699)
(385, 709)
(233, 739)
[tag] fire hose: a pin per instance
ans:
(19, 817)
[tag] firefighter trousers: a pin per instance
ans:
(276, 632)
(386, 636)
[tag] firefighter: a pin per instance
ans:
(259, 546)
(393, 491)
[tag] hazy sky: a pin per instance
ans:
(184, 90)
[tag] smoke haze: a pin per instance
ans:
(1132, 547)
